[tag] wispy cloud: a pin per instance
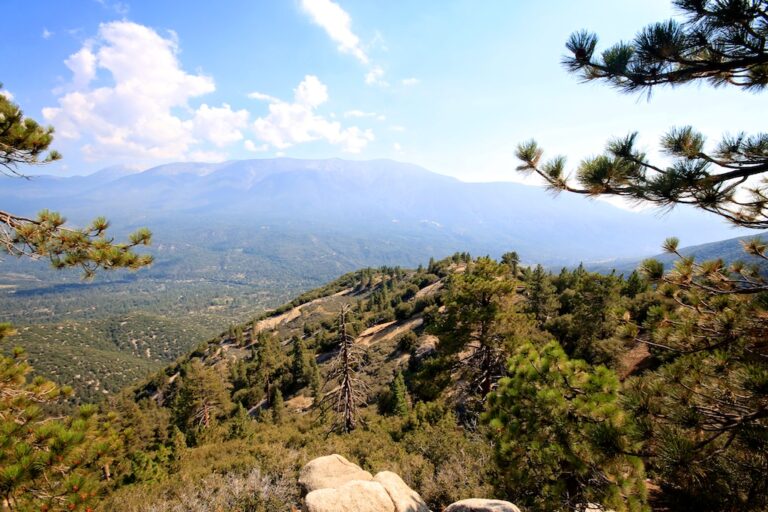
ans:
(362, 114)
(261, 96)
(408, 82)
(120, 8)
(249, 145)
(376, 77)
(337, 24)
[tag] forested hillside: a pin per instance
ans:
(431, 343)
(254, 392)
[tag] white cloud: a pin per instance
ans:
(47, 33)
(311, 92)
(219, 125)
(376, 77)
(397, 147)
(360, 113)
(410, 81)
(250, 146)
(290, 123)
(83, 67)
(397, 128)
(337, 24)
(261, 96)
(129, 98)
(6, 94)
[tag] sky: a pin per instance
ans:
(451, 85)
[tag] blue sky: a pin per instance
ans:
(450, 85)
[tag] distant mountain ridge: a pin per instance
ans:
(419, 212)
(729, 250)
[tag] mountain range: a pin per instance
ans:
(729, 250)
(350, 214)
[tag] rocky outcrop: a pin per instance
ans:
(333, 484)
(478, 505)
(330, 471)
(353, 496)
(403, 497)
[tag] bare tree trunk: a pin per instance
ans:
(347, 400)
(351, 391)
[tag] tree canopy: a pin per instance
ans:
(722, 42)
(562, 438)
(24, 142)
(702, 407)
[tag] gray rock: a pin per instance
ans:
(354, 496)
(404, 498)
(592, 507)
(330, 471)
(478, 505)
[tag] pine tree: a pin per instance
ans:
(238, 374)
(178, 447)
(242, 425)
(24, 142)
(203, 398)
(703, 410)
(562, 439)
(300, 368)
(278, 408)
(271, 362)
(512, 260)
(542, 302)
(634, 285)
(46, 462)
(590, 311)
(476, 303)
(723, 42)
(315, 379)
(50, 462)
(400, 405)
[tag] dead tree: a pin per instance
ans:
(350, 392)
